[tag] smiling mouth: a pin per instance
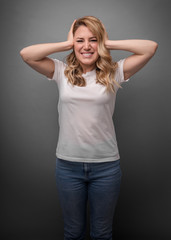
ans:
(87, 54)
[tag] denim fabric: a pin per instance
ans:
(98, 183)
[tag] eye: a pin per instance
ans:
(80, 40)
(93, 40)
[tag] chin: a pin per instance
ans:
(88, 61)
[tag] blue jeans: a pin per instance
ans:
(98, 183)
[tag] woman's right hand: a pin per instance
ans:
(36, 56)
(70, 38)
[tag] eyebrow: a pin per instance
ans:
(83, 38)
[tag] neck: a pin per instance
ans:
(88, 68)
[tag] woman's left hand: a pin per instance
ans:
(106, 38)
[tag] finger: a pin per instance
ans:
(73, 23)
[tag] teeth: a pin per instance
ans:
(87, 54)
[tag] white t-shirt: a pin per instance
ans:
(86, 129)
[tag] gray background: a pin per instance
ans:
(29, 128)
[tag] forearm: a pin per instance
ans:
(40, 51)
(136, 46)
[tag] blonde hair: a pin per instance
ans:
(105, 67)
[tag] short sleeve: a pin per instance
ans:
(119, 75)
(59, 69)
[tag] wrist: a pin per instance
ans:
(109, 44)
(69, 44)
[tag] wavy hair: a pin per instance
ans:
(105, 67)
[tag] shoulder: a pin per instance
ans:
(59, 63)
(59, 68)
(119, 74)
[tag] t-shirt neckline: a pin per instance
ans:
(89, 73)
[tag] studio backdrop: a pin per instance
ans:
(30, 207)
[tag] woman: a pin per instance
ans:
(87, 157)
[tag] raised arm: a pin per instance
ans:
(142, 50)
(36, 55)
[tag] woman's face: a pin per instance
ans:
(86, 48)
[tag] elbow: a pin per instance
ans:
(24, 55)
(153, 49)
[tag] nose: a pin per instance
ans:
(86, 45)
